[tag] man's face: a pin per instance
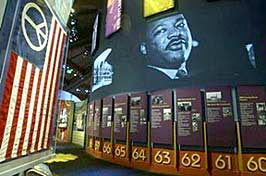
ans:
(170, 37)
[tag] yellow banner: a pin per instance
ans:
(152, 7)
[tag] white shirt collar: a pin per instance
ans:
(171, 73)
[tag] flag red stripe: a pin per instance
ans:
(45, 86)
(7, 94)
(34, 112)
(16, 114)
(26, 114)
(56, 92)
(50, 92)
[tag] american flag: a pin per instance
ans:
(29, 98)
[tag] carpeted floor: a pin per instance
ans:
(86, 165)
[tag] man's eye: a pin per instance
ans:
(181, 25)
(160, 31)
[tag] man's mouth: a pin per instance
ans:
(176, 44)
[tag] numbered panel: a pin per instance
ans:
(97, 145)
(163, 157)
(120, 117)
(189, 115)
(139, 154)
(120, 151)
(90, 143)
(192, 161)
(224, 164)
(107, 118)
(252, 105)
(161, 117)
(220, 120)
(107, 149)
(90, 118)
(254, 164)
(138, 117)
(97, 118)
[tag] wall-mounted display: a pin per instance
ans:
(189, 115)
(138, 117)
(161, 117)
(95, 33)
(80, 116)
(113, 17)
(90, 118)
(107, 117)
(97, 118)
(220, 121)
(252, 105)
(65, 120)
(152, 7)
(120, 117)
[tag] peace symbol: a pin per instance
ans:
(42, 35)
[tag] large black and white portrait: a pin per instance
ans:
(168, 45)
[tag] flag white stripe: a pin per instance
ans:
(22, 110)
(39, 104)
(53, 90)
(11, 110)
(50, 74)
(31, 108)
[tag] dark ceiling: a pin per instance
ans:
(77, 78)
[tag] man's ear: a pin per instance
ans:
(143, 48)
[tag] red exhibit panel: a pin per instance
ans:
(220, 121)
(224, 164)
(189, 115)
(120, 117)
(90, 119)
(107, 150)
(161, 117)
(97, 119)
(138, 117)
(121, 154)
(163, 160)
(107, 118)
(193, 163)
(252, 105)
(140, 157)
(254, 164)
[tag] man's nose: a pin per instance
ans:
(174, 32)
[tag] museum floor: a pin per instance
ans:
(83, 164)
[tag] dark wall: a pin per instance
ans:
(222, 30)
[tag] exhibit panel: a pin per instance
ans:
(161, 117)
(120, 118)
(79, 123)
(138, 118)
(107, 118)
(221, 126)
(121, 128)
(189, 115)
(65, 120)
(107, 127)
(97, 119)
(191, 131)
(252, 107)
(90, 125)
